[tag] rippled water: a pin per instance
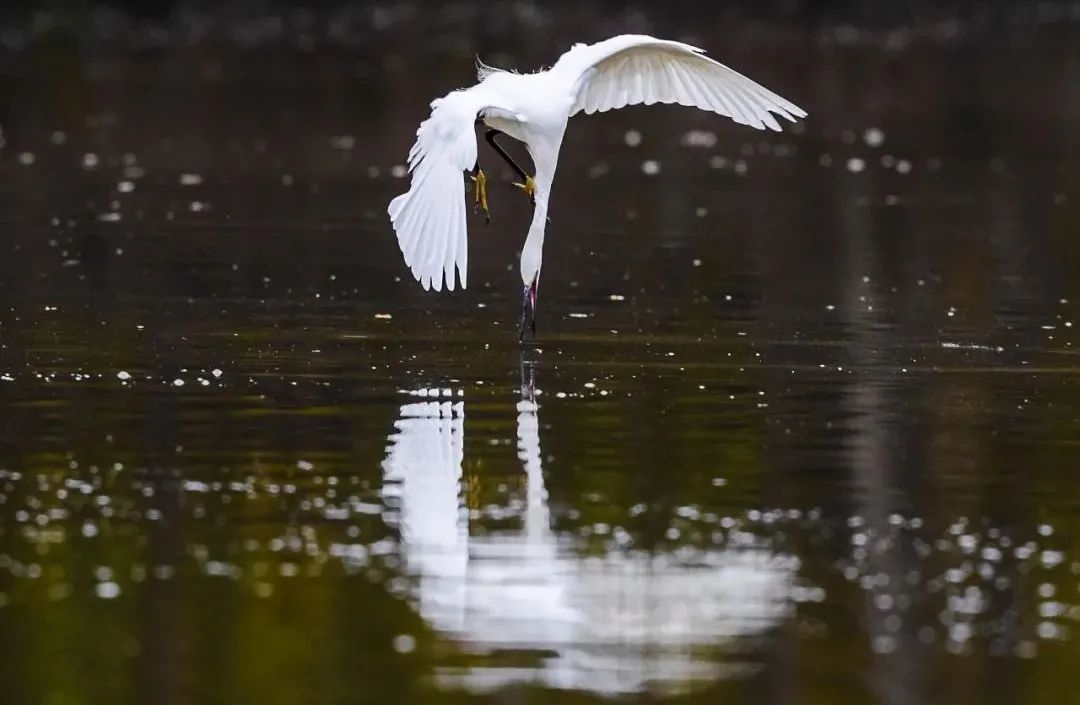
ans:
(801, 423)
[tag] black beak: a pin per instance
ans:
(528, 312)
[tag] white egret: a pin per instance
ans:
(430, 219)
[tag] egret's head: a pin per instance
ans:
(530, 263)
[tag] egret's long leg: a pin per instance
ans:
(480, 191)
(526, 184)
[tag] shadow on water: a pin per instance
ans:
(800, 426)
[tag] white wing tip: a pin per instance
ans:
(436, 282)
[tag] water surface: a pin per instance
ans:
(801, 423)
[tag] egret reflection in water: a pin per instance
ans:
(612, 623)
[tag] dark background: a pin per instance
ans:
(857, 355)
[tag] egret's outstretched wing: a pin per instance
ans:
(638, 69)
(430, 219)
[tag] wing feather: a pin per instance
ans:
(430, 219)
(638, 69)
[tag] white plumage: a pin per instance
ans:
(430, 219)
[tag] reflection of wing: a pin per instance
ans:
(422, 472)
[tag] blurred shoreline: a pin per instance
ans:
(248, 25)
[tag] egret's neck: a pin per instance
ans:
(532, 253)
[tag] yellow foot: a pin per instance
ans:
(529, 187)
(480, 194)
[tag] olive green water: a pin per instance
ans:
(802, 422)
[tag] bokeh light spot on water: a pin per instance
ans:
(874, 137)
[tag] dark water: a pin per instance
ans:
(802, 423)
